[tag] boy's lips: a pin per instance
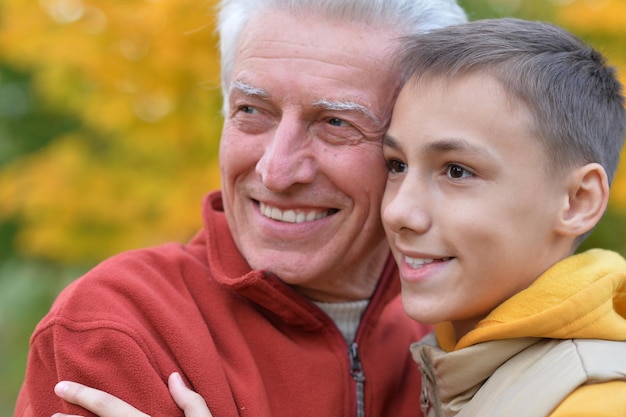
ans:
(294, 215)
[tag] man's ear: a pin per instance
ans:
(588, 195)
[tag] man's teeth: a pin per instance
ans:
(291, 216)
(419, 262)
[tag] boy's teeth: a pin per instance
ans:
(291, 216)
(419, 262)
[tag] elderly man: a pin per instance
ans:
(285, 304)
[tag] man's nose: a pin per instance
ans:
(288, 157)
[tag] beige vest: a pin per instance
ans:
(512, 377)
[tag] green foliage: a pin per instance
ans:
(27, 290)
(609, 233)
(26, 125)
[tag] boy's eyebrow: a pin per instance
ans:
(249, 90)
(390, 142)
(454, 144)
(345, 106)
(441, 146)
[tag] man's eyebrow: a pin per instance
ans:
(249, 90)
(346, 106)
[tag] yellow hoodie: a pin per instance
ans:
(581, 297)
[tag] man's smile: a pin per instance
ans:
(294, 215)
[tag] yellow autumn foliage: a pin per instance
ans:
(607, 16)
(143, 78)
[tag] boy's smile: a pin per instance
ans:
(469, 208)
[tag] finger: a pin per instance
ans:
(96, 401)
(189, 401)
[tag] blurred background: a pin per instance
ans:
(109, 127)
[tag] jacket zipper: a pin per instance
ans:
(358, 376)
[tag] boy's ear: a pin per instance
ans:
(588, 196)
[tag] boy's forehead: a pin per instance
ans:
(483, 86)
(487, 78)
(470, 113)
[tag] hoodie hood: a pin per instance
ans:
(582, 296)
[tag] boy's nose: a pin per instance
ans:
(405, 210)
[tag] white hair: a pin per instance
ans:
(408, 17)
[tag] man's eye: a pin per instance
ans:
(334, 121)
(457, 172)
(248, 109)
(395, 167)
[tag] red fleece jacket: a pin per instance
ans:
(244, 340)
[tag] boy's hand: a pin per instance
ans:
(189, 401)
(106, 405)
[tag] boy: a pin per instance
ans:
(501, 149)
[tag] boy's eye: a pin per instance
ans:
(456, 172)
(396, 167)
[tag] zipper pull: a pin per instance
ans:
(358, 376)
